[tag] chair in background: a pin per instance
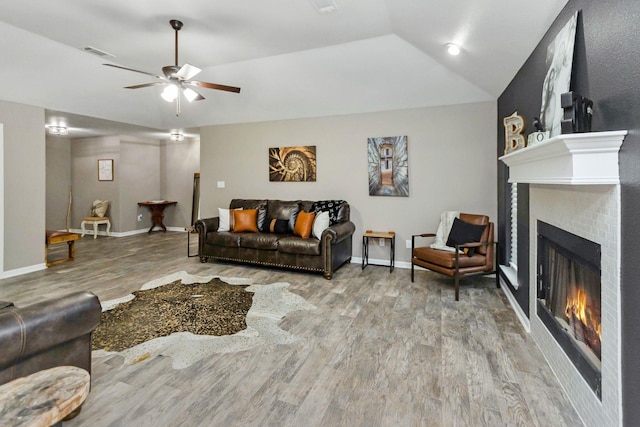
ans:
(97, 217)
(472, 252)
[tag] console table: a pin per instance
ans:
(44, 398)
(157, 212)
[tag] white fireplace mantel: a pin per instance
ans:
(576, 159)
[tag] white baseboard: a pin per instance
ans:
(381, 262)
(126, 233)
(516, 307)
(23, 270)
(181, 229)
(89, 233)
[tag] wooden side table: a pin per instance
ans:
(53, 237)
(390, 235)
(43, 398)
(157, 212)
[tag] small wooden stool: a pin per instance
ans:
(44, 398)
(53, 237)
(96, 221)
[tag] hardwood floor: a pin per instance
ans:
(378, 350)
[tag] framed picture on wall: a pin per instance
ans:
(388, 166)
(292, 164)
(105, 170)
(559, 61)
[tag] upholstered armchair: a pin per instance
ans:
(470, 250)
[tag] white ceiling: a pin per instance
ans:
(290, 60)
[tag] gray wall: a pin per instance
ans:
(24, 185)
(58, 180)
(85, 153)
(451, 166)
(178, 162)
(139, 181)
(143, 170)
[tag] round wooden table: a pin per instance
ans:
(43, 398)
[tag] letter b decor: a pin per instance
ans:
(513, 128)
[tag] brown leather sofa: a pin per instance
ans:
(55, 332)
(324, 255)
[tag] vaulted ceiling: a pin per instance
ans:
(289, 59)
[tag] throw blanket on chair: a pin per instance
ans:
(446, 221)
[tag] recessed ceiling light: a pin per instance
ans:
(325, 6)
(57, 130)
(453, 49)
(177, 137)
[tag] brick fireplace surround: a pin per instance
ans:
(590, 210)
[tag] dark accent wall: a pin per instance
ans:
(606, 69)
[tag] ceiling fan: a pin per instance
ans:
(178, 79)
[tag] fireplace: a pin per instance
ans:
(569, 300)
(574, 184)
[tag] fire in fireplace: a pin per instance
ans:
(569, 297)
(583, 312)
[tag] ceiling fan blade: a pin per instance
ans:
(135, 71)
(187, 72)
(213, 86)
(146, 85)
(191, 94)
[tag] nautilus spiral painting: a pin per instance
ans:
(292, 164)
(388, 166)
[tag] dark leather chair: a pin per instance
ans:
(456, 264)
(55, 332)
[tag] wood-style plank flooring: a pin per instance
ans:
(378, 350)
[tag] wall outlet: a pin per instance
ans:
(408, 244)
(381, 242)
(139, 217)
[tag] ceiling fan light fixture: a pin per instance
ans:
(170, 93)
(325, 6)
(58, 130)
(176, 136)
(453, 49)
(190, 94)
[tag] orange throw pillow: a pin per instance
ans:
(245, 220)
(304, 222)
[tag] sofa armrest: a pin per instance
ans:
(33, 329)
(339, 232)
(203, 226)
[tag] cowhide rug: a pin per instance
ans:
(268, 306)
